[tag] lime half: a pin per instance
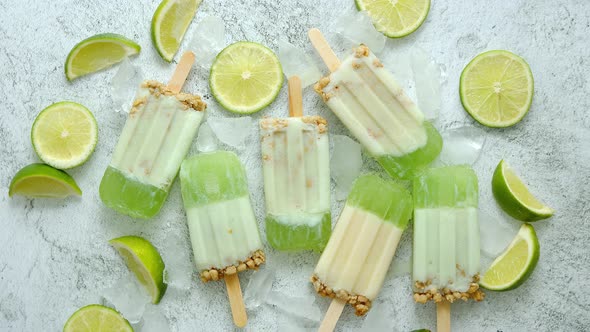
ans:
(514, 197)
(97, 318)
(496, 88)
(515, 265)
(246, 77)
(98, 52)
(40, 180)
(395, 18)
(64, 134)
(169, 24)
(145, 261)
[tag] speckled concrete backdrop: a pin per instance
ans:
(54, 254)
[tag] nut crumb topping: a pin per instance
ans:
(319, 88)
(317, 120)
(252, 262)
(423, 295)
(360, 303)
(361, 51)
(189, 101)
(377, 63)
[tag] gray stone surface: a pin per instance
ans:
(54, 255)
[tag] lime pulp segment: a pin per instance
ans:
(396, 18)
(169, 24)
(97, 318)
(40, 180)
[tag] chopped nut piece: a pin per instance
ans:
(253, 262)
(361, 51)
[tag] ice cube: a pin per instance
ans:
(124, 85)
(379, 318)
(154, 320)
(495, 234)
(297, 306)
(208, 39)
(296, 62)
(401, 267)
(462, 145)
(258, 288)
(206, 140)
(357, 27)
(427, 78)
(128, 297)
(179, 268)
(345, 164)
(232, 131)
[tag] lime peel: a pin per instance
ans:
(144, 260)
(167, 29)
(98, 52)
(515, 198)
(513, 267)
(43, 181)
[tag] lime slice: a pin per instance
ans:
(145, 261)
(169, 23)
(40, 180)
(98, 52)
(64, 134)
(515, 198)
(97, 318)
(516, 264)
(395, 18)
(496, 88)
(246, 77)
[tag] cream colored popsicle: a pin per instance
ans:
(353, 266)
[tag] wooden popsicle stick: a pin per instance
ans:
(181, 72)
(234, 293)
(321, 45)
(332, 315)
(443, 316)
(295, 97)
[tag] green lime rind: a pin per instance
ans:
(35, 139)
(97, 318)
(216, 68)
(378, 14)
(526, 233)
(511, 203)
(130, 47)
(155, 28)
(144, 260)
(473, 112)
(43, 181)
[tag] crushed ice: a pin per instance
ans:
(128, 297)
(208, 40)
(206, 140)
(495, 234)
(345, 164)
(232, 131)
(154, 320)
(296, 62)
(124, 85)
(357, 27)
(179, 269)
(462, 145)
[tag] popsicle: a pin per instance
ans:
(352, 268)
(222, 226)
(446, 239)
(377, 111)
(295, 160)
(155, 139)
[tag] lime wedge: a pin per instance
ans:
(98, 52)
(514, 265)
(395, 18)
(97, 318)
(246, 77)
(169, 24)
(144, 260)
(64, 134)
(40, 180)
(496, 88)
(514, 197)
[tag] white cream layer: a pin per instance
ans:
(155, 139)
(375, 108)
(295, 161)
(359, 253)
(446, 247)
(223, 233)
